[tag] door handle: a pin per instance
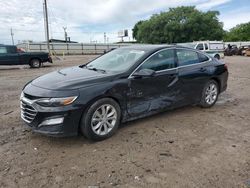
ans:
(203, 69)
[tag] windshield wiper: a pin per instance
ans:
(95, 69)
(84, 65)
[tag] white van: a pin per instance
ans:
(213, 48)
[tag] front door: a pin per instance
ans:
(8, 56)
(3, 55)
(157, 92)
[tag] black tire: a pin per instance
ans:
(35, 63)
(86, 121)
(217, 56)
(204, 98)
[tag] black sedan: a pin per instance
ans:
(122, 85)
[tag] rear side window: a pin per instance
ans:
(160, 61)
(203, 57)
(3, 50)
(187, 57)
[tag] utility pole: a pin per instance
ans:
(105, 37)
(12, 34)
(65, 34)
(46, 24)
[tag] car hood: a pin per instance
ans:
(70, 78)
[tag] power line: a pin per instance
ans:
(52, 16)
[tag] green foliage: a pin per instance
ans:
(135, 29)
(238, 33)
(181, 24)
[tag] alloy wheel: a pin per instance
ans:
(211, 93)
(104, 119)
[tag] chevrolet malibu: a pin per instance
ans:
(122, 85)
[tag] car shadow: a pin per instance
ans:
(80, 140)
(157, 116)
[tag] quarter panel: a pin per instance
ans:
(193, 79)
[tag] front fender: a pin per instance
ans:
(116, 90)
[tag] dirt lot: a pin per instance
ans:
(188, 147)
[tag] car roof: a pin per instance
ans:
(151, 47)
(6, 45)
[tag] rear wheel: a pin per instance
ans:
(209, 94)
(101, 119)
(35, 63)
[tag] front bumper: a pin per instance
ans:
(59, 121)
(223, 81)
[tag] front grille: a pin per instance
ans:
(30, 96)
(28, 113)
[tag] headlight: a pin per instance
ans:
(56, 102)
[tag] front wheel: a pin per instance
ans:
(101, 119)
(209, 94)
(35, 63)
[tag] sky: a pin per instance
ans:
(87, 20)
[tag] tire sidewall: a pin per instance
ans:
(203, 102)
(32, 63)
(85, 125)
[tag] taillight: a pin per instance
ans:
(225, 66)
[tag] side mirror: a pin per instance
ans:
(144, 73)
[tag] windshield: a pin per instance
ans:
(118, 60)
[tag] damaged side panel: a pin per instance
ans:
(152, 94)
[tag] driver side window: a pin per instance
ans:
(160, 61)
(3, 50)
(200, 46)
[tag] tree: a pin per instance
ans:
(135, 29)
(240, 32)
(181, 24)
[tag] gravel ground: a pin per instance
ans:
(187, 147)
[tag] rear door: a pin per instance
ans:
(149, 94)
(194, 69)
(13, 55)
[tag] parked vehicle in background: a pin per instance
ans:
(247, 52)
(122, 85)
(11, 55)
(244, 50)
(231, 50)
(213, 48)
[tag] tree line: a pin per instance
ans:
(187, 24)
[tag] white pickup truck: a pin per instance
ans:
(213, 48)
